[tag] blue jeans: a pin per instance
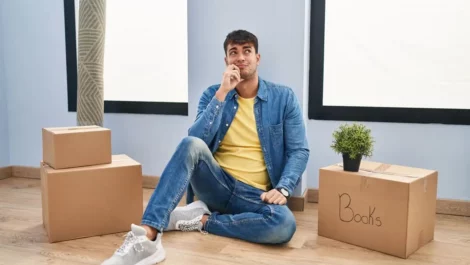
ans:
(237, 209)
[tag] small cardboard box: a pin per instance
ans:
(93, 200)
(68, 147)
(386, 208)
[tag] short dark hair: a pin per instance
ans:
(240, 37)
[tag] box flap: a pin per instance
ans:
(386, 171)
(75, 129)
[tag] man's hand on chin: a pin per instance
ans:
(273, 197)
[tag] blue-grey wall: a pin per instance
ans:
(34, 60)
(445, 148)
(4, 150)
(34, 51)
(275, 23)
(35, 54)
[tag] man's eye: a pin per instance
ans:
(247, 51)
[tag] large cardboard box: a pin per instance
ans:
(386, 208)
(93, 200)
(68, 147)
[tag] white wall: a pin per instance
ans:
(34, 51)
(4, 150)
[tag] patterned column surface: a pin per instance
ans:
(91, 38)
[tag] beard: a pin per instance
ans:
(247, 73)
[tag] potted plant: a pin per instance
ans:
(354, 142)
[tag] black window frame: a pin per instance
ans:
(134, 107)
(317, 111)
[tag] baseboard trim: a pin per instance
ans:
(443, 206)
(453, 207)
(5, 172)
(148, 182)
(25, 172)
(297, 204)
(312, 195)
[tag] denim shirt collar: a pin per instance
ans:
(262, 91)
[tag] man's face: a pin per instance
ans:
(244, 57)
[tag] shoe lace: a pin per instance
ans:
(130, 241)
(191, 225)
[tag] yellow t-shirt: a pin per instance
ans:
(240, 153)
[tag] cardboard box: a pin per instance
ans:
(386, 208)
(91, 201)
(68, 147)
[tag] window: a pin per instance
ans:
(145, 60)
(390, 61)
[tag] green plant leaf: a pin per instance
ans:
(353, 140)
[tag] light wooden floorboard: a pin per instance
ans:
(23, 240)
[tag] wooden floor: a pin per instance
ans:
(23, 240)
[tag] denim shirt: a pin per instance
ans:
(281, 130)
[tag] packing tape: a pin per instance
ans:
(122, 159)
(88, 127)
(381, 170)
(83, 128)
(364, 183)
(44, 164)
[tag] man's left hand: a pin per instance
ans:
(274, 197)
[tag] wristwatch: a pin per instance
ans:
(284, 192)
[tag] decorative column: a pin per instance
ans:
(91, 39)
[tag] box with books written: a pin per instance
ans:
(383, 207)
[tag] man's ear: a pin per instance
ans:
(258, 58)
(225, 60)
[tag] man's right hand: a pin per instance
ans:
(230, 80)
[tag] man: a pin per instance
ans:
(243, 158)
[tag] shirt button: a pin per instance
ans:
(210, 122)
(220, 141)
(234, 107)
(226, 124)
(217, 106)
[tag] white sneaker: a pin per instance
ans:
(137, 249)
(188, 218)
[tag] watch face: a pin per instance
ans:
(284, 192)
